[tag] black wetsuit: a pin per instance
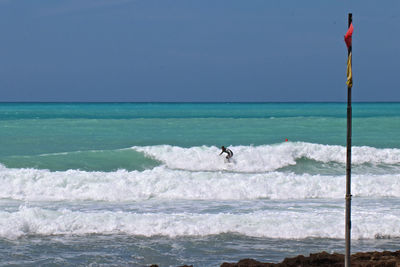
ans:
(229, 152)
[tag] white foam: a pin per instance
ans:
(164, 183)
(264, 158)
(287, 224)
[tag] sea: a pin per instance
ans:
(135, 184)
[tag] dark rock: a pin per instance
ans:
(247, 263)
(317, 259)
(324, 259)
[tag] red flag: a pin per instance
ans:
(347, 37)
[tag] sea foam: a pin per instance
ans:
(286, 224)
(164, 183)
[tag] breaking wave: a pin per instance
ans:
(164, 183)
(199, 173)
(264, 158)
(287, 224)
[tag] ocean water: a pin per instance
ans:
(134, 184)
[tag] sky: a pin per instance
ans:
(197, 51)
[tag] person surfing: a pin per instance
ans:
(228, 152)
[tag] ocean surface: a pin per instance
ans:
(134, 184)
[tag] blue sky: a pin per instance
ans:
(208, 50)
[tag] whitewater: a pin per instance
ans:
(201, 173)
(139, 184)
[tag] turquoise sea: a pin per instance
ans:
(134, 184)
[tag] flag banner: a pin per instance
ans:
(347, 37)
(349, 81)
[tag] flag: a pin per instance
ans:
(347, 39)
(349, 81)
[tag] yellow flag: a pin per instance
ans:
(349, 81)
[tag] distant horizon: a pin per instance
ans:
(192, 102)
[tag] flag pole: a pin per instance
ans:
(348, 166)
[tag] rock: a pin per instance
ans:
(317, 259)
(324, 259)
(247, 263)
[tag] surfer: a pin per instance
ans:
(227, 151)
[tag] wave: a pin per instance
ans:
(164, 183)
(264, 158)
(289, 156)
(286, 224)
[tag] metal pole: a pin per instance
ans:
(348, 170)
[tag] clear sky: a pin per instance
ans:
(203, 50)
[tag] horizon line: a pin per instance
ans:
(187, 102)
